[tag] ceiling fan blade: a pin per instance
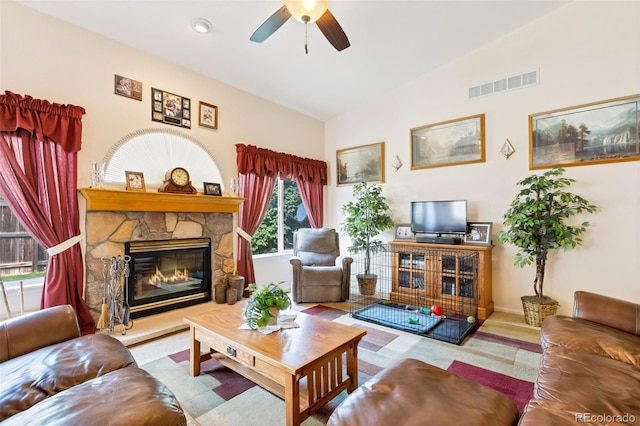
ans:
(270, 26)
(333, 31)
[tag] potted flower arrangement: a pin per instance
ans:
(366, 216)
(264, 304)
(536, 223)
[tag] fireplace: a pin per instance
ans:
(168, 274)
(115, 216)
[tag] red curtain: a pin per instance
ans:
(261, 161)
(256, 191)
(312, 195)
(258, 169)
(39, 141)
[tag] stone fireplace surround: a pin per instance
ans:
(114, 217)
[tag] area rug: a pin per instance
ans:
(222, 397)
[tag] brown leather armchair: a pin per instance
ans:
(319, 273)
(50, 374)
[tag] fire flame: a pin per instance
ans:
(178, 276)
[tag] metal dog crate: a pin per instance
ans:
(411, 280)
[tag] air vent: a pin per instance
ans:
(504, 84)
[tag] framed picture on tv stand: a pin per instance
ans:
(478, 233)
(402, 232)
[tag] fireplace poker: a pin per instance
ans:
(125, 304)
(102, 321)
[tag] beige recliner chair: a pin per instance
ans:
(319, 273)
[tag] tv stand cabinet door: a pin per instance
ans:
(433, 273)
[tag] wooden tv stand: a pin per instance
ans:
(430, 273)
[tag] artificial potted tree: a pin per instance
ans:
(366, 216)
(536, 223)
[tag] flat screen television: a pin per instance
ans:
(439, 217)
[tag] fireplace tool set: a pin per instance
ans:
(115, 308)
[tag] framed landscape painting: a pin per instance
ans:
(361, 164)
(448, 143)
(595, 133)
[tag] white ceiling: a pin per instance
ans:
(392, 42)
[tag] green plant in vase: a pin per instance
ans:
(264, 304)
(366, 216)
(536, 223)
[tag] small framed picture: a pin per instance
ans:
(212, 189)
(402, 232)
(208, 115)
(135, 181)
(478, 233)
(124, 86)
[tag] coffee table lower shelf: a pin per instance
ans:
(276, 388)
(304, 391)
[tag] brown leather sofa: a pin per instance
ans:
(590, 367)
(410, 392)
(50, 375)
(589, 373)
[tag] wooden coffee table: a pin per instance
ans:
(304, 366)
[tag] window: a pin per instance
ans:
(20, 255)
(285, 215)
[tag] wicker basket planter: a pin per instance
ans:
(536, 309)
(367, 284)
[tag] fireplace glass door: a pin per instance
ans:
(168, 274)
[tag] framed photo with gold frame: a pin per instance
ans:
(363, 163)
(448, 143)
(127, 87)
(594, 133)
(208, 115)
(135, 181)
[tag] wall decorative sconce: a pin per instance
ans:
(507, 149)
(396, 163)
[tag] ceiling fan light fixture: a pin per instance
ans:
(200, 25)
(307, 11)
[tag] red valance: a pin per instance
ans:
(265, 162)
(60, 123)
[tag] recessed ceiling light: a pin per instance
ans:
(200, 25)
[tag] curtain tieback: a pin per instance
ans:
(65, 245)
(243, 234)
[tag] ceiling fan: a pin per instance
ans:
(307, 12)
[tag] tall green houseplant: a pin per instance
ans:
(536, 223)
(366, 216)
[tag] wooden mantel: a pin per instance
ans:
(120, 200)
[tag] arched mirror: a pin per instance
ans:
(155, 151)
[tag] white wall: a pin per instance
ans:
(586, 52)
(65, 64)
